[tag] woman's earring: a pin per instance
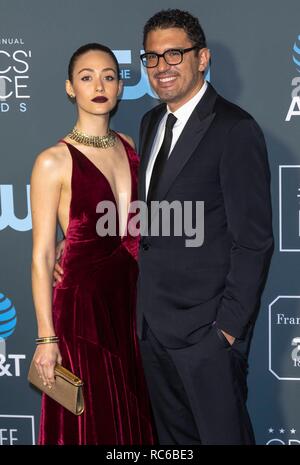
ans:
(71, 97)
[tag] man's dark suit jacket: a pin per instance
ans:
(220, 158)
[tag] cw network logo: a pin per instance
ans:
(8, 217)
(294, 109)
(133, 92)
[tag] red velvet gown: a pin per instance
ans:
(94, 316)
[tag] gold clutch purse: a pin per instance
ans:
(67, 390)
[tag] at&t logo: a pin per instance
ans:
(10, 365)
(294, 109)
(8, 317)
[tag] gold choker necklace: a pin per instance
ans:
(102, 142)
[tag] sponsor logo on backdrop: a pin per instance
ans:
(296, 54)
(8, 217)
(136, 77)
(15, 64)
(289, 208)
(284, 338)
(8, 317)
(10, 364)
(17, 430)
(282, 436)
(294, 109)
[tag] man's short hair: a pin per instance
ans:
(170, 18)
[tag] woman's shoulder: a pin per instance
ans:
(127, 138)
(52, 157)
(53, 160)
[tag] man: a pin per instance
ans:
(197, 305)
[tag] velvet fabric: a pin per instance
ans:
(94, 316)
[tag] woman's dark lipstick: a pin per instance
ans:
(99, 99)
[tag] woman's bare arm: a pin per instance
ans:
(46, 183)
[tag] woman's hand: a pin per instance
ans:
(45, 358)
(58, 271)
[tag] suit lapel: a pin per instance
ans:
(145, 148)
(183, 150)
(190, 138)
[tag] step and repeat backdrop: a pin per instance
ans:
(255, 63)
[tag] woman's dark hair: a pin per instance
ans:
(87, 48)
(166, 19)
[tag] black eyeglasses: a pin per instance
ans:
(173, 56)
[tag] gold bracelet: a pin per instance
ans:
(46, 340)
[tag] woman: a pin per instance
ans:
(90, 318)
